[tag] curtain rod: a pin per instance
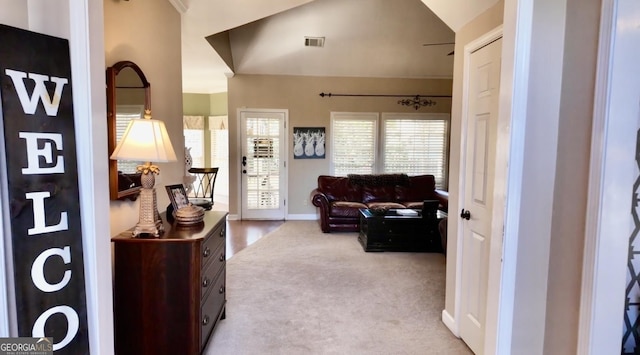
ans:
(416, 101)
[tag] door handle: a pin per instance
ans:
(244, 161)
(244, 171)
(465, 214)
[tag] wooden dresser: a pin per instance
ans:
(169, 292)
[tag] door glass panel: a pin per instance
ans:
(262, 145)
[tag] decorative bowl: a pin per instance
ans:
(189, 215)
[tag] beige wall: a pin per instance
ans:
(14, 13)
(482, 24)
(571, 180)
(300, 95)
(147, 32)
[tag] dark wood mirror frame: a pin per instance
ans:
(114, 192)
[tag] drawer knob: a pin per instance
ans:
(205, 320)
(221, 291)
(221, 233)
(206, 282)
(206, 252)
(221, 256)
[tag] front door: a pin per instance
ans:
(482, 117)
(263, 163)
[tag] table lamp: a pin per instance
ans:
(146, 140)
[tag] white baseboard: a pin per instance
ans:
(450, 322)
(302, 217)
(233, 217)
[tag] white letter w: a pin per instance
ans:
(29, 104)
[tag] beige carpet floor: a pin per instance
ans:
(300, 291)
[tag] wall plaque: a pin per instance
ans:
(43, 195)
(308, 142)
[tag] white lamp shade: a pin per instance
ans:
(145, 140)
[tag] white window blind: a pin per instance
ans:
(194, 139)
(416, 145)
(193, 131)
(220, 158)
(353, 148)
(413, 144)
(124, 114)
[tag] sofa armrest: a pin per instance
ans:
(318, 198)
(321, 200)
(443, 197)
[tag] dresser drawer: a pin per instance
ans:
(218, 258)
(211, 243)
(212, 307)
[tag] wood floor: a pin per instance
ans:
(241, 234)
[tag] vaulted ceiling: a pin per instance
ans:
(367, 38)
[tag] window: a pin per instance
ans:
(124, 114)
(413, 144)
(193, 129)
(353, 143)
(208, 139)
(219, 136)
(416, 145)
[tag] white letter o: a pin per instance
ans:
(72, 319)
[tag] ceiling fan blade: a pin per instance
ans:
(437, 44)
(451, 53)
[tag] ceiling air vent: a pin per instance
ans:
(314, 41)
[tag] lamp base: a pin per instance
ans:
(149, 221)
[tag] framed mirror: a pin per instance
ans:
(128, 96)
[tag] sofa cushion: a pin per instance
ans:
(386, 205)
(345, 209)
(379, 179)
(421, 187)
(338, 188)
(378, 193)
(413, 204)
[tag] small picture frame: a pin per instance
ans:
(178, 196)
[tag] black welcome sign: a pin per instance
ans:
(43, 196)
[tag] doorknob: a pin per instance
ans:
(244, 171)
(465, 214)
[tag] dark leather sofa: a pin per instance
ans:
(339, 198)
